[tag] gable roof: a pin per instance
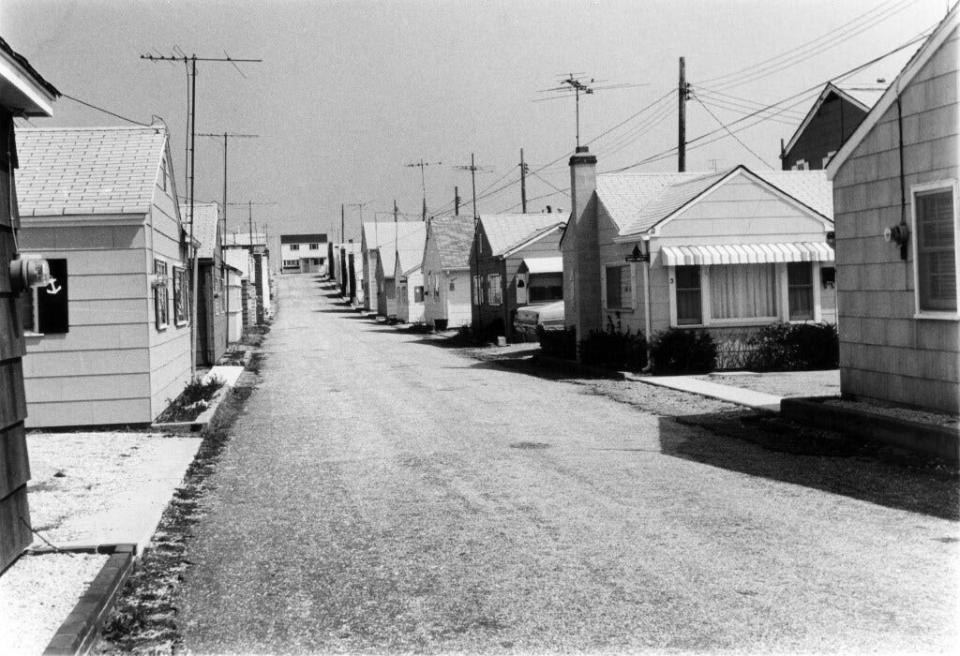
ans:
(830, 89)
(22, 88)
(936, 39)
(506, 232)
(206, 218)
(410, 250)
(378, 233)
(86, 171)
(636, 212)
(409, 242)
(453, 236)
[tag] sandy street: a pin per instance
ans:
(382, 493)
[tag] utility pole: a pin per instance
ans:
(683, 93)
(473, 168)
(341, 222)
(523, 183)
(225, 136)
(423, 184)
(360, 207)
(192, 120)
(456, 201)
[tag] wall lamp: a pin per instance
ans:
(636, 255)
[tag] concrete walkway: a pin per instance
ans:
(738, 395)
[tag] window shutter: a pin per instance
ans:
(52, 309)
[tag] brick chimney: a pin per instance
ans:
(581, 256)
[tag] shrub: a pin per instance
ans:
(678, 351)
(614, 349)
(558, 343)
(796, 347)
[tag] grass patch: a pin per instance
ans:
(193, 400)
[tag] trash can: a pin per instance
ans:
(440, 324)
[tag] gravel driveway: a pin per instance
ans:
(382, 494)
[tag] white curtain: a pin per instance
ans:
(743, 291)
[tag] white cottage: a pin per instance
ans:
(113, 346)
(446, 271)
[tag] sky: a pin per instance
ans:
(351, 93)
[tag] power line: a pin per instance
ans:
(105, 111)
(739, 141)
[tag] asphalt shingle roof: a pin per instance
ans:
(454, 237)
(207, 217)
(637, 202)
(68, 171)
(507, 231)
(410, 249)
(385, 232)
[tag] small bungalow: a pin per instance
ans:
(446, 270)
(349, 269)
(113, 346)
(256, 290)
(211, 283)
(23, 92)
(728, 252)
(512, 254)
(895, 186)
(388, 304)
(375, 234)
(237, 263)
(834, 116)
(408, 272)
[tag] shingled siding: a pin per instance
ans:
(14, 465)
(169, 347)
(885, 352)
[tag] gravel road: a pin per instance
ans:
(382, 494)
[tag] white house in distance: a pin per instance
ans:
(303, 253)
(113, 346)
(446, 271)
(898, 255)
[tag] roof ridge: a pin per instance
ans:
(101, 128)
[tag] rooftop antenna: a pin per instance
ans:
(580, 85)
(423, 182)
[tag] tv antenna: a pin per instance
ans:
(575, 84)
(423, 181)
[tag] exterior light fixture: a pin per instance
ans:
(636, 255)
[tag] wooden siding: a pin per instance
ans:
(169, 347)
(886, 353)
(835, 121)
(14, 464)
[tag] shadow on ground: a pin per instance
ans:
(773, 448)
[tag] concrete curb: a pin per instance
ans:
(574, 367)
(927, 439)
(204, 419)
(80, 630)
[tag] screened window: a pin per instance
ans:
(494, 291)
(743, 291)
(161, 295)
(545, 287)
(689, 305)
(42, 312)
(314, 247)
(800, 290)
(181, 306)
(619, 291)
(936, 251)
(418, 294)
(294, 247)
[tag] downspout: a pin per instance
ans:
(903, 193)
(647, 322)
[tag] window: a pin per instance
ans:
(291, 263)
(452, 285)
(800, 290)
(494, 291)
(743, 291)
(801, 165)
(45, 313)
(619, 289)
(436, 286)
(181, 308)
(294, 247)
(545, 287)
(418, 294)
(161, 297)
(522, 289)
(689, 305)
(314, 247)
(935, 249)
(477, 290)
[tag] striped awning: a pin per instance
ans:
(801, 251)
(542, 264)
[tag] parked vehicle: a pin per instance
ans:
(548, 315)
